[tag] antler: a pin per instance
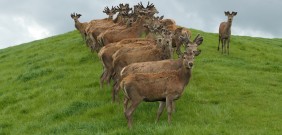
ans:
(113, 8)
(234, 13)
(150, 5)
(141, 5)
(106, 10)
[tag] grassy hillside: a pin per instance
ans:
(51, 86)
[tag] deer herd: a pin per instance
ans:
(136, 49)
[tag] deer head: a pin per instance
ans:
(138, 8)
(183, 38)
(75, 16)
(110, 12)
(193, 46)
(188, 59)
(167, 44)
(230, 15)
(123, 9)
(152, 8)
(128, 19)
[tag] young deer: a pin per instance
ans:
(79, 26)
(225, 31)
(164, 86)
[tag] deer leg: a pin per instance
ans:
(109, 76)
(82, 35)
(93, 41)
(87, 40)
(222, 45)
(173, 107)
(218, 43)
(130, 110)
(225, 41)
(160, 110)
(102, 78)
(113, 92)
(117, 88)
(169, 102)
(125, 103)
(228, 41)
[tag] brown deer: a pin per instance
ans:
(142, 54)
(165, 87)
(225, 31)
(106, 52)
(79, 26)
(178, 31)
(96, 27)
(177, 42)
(122, 9)
(144, 16)
(159, 66)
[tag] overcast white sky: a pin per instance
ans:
(27, 20)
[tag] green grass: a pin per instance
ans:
(51, 86)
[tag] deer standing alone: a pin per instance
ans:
(225, 31)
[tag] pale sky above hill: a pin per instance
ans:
(27, 20)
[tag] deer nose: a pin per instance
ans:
(190, 64)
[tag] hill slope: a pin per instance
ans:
(51, 86)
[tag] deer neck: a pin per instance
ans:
(228, 27)
(185, 74)
(179, 63)
(77, 24)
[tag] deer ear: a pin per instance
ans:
(226, 13)
(199, 41)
